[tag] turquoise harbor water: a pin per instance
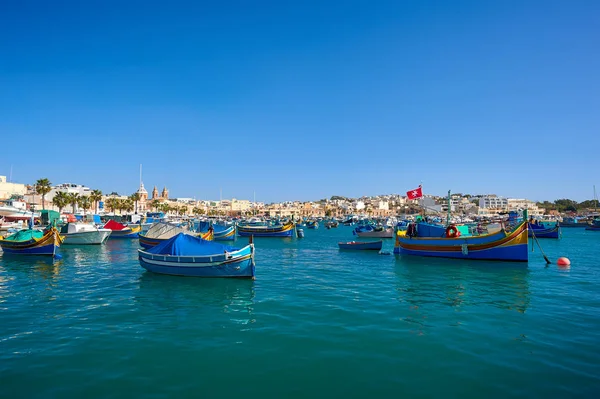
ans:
(316, 322)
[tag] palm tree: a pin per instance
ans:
(128, 205)
(111, 204)
(84, 202)
(95, 197)
(43, 187)
(155, 204)
(135, 197)
(60, 200)
(73, 199)
(182, 210)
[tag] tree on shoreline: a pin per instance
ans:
(43, 187)
(95, 197)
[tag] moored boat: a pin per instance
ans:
(374, 232)
(594, 225)
(31, 242)
(284, 230)
(223, 233)
(83, 234)
(541, 231)
(122, 231)
(361, 245)
(503, 245)
(186, 255)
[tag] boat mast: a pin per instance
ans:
(448, 216)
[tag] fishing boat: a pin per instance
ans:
(186, 255)
(31, 242)
(13, 209)
(374, 231)
(541, 231)
(122, 231)
(223, 233)
(361, 245)
(83, 234)
(331, 224)
(504, 245)
(573, 222)
(312, 224)
(282, 230)
(163, 231)
(594, 225)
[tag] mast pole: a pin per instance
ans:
(448, 216)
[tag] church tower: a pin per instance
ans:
(155, 193)
(165, 193)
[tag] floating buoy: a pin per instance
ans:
(563, 262)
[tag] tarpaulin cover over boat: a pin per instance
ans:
(25, 235)
(187, 245)
(111, 224)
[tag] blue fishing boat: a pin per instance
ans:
(361, 245)
(122, 231)
(31, 242)
(374, 231)
(163, 231)
(284, 230)
(504, 245)
(541, 231)
(186, 255)
(223, 233)
(312, 224)
(594, 225)
(573, 222)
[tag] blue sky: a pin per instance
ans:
(303, 99)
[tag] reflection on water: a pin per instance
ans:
(426, 284)
(234, 297)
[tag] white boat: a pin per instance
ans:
(12, 210)
(83, 234)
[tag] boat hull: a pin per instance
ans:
(282, 231)
(47, 245)
(238, 264)
(132, 232)
(501, 246)
(553, 232)
(388, 233)
(86, 238)
(225, 235)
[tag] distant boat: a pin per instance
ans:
(223, 233)
(541, 231)
(13, 210)
(31, 242)
(374, 232)
(361, 246)
(185, 255)
(573, 222)
(312, 224)
(503, 245)
(122, 231)
(83, 234)
(284, 230)
(594, 225)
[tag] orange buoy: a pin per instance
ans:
(563, 261)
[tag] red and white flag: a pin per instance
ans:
(414, 194)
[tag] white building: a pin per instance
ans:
(493, 202)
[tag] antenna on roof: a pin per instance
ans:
(140, 175)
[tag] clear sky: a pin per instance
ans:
(303, 99)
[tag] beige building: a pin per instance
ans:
(7, 189)
(514, 204)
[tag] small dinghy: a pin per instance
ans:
(361, 245)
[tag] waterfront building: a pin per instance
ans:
(8, 189)
(516, 204)
(493, 203)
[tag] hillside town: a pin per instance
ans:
(77, 199)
